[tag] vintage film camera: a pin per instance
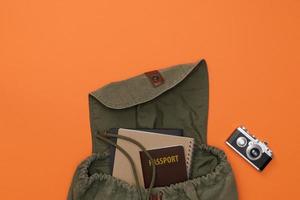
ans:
(250, 148)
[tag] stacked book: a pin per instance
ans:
(171, 153)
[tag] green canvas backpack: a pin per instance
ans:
(174, 97)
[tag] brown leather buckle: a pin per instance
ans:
(155, 78)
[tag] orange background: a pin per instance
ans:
(53, 53)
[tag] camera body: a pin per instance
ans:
(250, 148)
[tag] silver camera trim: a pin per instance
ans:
(262, 145)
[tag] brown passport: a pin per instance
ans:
(170, 166)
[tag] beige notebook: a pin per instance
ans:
(122, 168)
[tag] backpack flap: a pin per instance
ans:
(174, 97)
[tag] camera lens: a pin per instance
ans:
(254, 152)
